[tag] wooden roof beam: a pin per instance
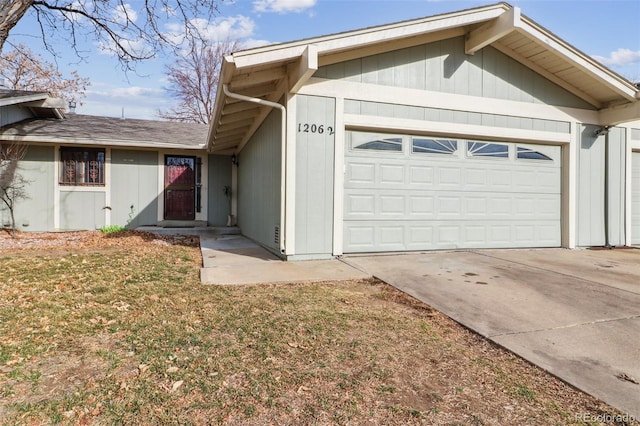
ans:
(300, 71)
(492, 31)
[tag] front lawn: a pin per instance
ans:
(117, 329)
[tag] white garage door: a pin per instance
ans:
(421, 193)
(635, 198)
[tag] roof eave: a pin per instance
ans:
(97, 142)
(586, 63)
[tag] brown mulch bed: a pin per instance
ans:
(74, 240)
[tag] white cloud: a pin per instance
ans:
(136, 47)
(251, 43)
(620, 57)
(124, 13)
(283, 6)
(220, 29)
(137, 101)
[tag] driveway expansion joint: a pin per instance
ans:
(563, 327)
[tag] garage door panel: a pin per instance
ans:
(413, 204)
(449, 206)
(360, 173)
(476, 179)
(420, 206)
(392, 205)
(409, 201)
(391, 174)
(361, 205)
(475, 206)
(476, 234)
(420, 175)
(449, 177)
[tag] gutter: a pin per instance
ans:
(283, 151)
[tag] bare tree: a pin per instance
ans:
(23, 69)
(193, 80)
(12, 183)
(132, 35)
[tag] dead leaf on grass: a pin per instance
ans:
(172, 370)
(176, 385)
(142, 368)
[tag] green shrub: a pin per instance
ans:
(112, 228)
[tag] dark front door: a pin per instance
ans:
(179, 188)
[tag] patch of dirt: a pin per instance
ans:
(51, 377)
(63, 243)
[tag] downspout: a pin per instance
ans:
(283, 157)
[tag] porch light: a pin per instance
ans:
(234, 160)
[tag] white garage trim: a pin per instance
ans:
(338, 180)
(430, 99)
(389, 124)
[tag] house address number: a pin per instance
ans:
(314, 128)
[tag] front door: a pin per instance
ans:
(179, 187)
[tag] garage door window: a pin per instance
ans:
(487, 149)
(434, 146)
(364, 141)
(530, 154)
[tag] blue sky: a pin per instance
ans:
(607, 30)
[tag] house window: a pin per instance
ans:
(82, 166)
(434, 146)
(486, 149)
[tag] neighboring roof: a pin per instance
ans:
(270, 72)
(94, 130)
(40, 103)
(19, 95)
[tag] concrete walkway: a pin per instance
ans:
(575, 313)
(234, 259)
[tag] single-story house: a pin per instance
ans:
(472, 129)
(86, 172)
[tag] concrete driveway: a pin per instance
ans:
(575, 313)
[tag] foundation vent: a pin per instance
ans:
(276, 235)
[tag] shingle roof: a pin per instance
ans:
(8, 93)
(95, 130)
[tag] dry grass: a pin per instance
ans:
(118, 330)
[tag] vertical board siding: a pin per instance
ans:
(219, 177)
(259, 183)
(81, 210)
(35, 213)
(134, 188)
(616, 186)
(590, 209)
(443, 66)
(13, 113)
(314, 175)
